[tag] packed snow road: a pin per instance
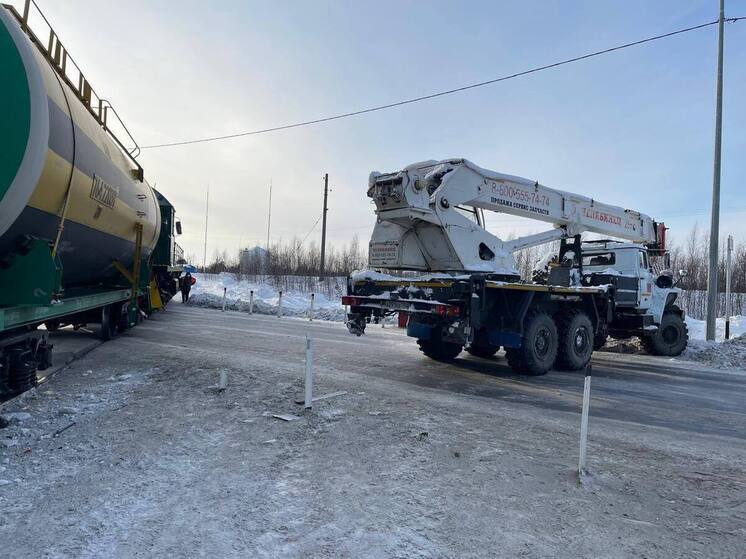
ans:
(632, 388)
(132, 452)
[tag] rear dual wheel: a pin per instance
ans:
(436, 348)
(538, 349)
(576, 340)
(481, 346)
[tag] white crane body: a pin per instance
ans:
(422, 223)
(430, 218)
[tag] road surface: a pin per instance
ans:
(643, 390)
(133, 452)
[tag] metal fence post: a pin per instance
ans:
(309, 373)
(310, 312)
(225, 290)
(279, 306)
(251, 302)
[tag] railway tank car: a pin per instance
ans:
(63, 178)
(81, 234)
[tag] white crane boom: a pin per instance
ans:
(430, 217)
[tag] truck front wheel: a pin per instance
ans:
(671, 337)
(576, 340)
(538, 346)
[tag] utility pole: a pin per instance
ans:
(323, 226)
(207, 210)
(269, 212)
(712, 277)
(728, 255)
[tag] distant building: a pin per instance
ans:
(254, 260)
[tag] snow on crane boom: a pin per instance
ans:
(430, 217)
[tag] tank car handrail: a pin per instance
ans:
(59, 58)
(106, 105)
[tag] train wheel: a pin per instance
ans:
(109, 323)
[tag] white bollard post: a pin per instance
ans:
(310, 311)
(584, 422)
(251, 302)
(309, 373)
(225, 289)
(279, 306)
(223, 380)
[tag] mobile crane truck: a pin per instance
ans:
(468, 293)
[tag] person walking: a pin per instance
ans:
(185, 285)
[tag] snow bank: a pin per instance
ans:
(719, 354)
(697, 328)
(208, 292)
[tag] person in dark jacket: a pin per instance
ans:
(185, 284)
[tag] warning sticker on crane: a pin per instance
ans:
(382, 254)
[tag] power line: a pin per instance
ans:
(311, 230)
(440, 93)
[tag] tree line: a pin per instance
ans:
(295, 258)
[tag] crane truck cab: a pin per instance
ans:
(645, 302)
(626, 259)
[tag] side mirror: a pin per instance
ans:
(178, 227)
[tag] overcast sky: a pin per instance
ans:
(633, 128)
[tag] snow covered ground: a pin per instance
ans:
(208, 292)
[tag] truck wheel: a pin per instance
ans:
(439, 350)
(484, 351)
(671, 337)
(576, 340)
(538, 346)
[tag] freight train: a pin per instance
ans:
(84, 239)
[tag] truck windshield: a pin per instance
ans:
(604, 259)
